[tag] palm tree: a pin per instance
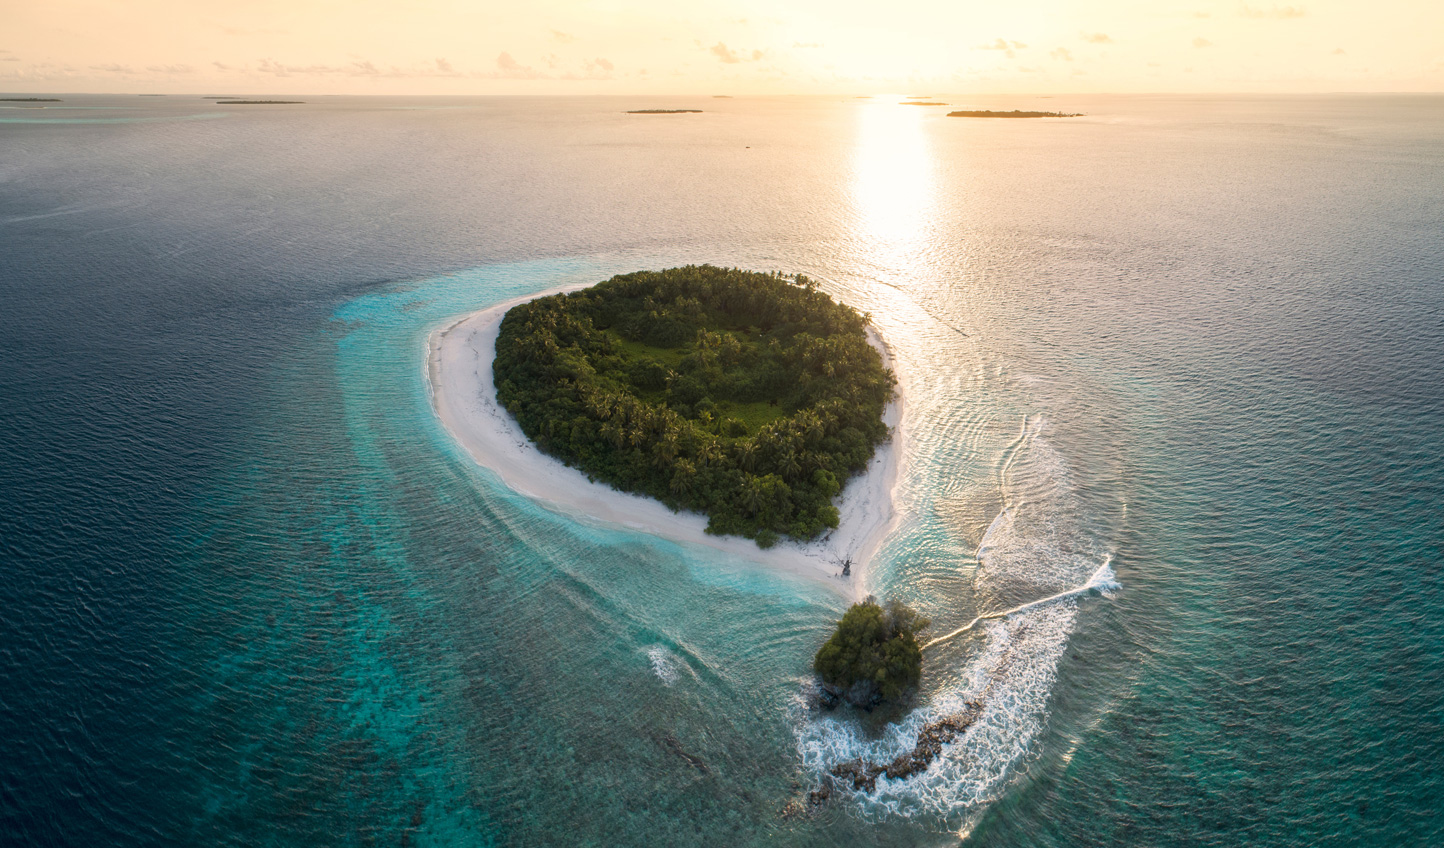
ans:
(752, 495)
(683, 477)
(747, 454)
(665, 450)
(614, 432)
(811, 426)
(790, 466)
(708, 452)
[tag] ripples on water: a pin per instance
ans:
(1186, 347)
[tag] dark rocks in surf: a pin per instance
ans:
(821, 795)
(864, 694)
(863, 774)
(693, 760)
(826, 697)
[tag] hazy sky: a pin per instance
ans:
(718, 46)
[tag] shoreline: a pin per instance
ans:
(458, 371)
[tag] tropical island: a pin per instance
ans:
(259, 102)
(664, 111)
(873, 656)
(985, 113)
(748, 397)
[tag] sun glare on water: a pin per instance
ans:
(893, 182)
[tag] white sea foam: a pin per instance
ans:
(1037, 558)
(664, 664)
(1011, 677)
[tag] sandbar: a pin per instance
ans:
(458, 372)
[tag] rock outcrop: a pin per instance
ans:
(863, 774)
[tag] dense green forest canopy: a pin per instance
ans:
(874, 651)
(749, 397)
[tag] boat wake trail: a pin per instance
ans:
(1103, 580)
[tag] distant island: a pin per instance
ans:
(259, 102)
(663, 111)
(31, 100)
(984, 113)
(748, 397)
(921, 103)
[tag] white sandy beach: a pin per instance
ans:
(459, 361)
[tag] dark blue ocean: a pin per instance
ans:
(1179, 362)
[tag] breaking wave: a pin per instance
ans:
(1038, 557)
(664, 664)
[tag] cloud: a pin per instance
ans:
(806, 44)
(1202, 15)
(1202, 42)
(221, 66)
(1062, 53)
(1004, 45)
(509, 68)
(1278, 13)
(1096, 37)
(1338, 51)
(601, 64)
(280, 69)
(170, 69)
(113, 68)
(564, 38)
(725, 54)
(360, 68)
(43, 72)
(444, 66)
(505, 62)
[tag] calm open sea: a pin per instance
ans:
(1184, 355)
